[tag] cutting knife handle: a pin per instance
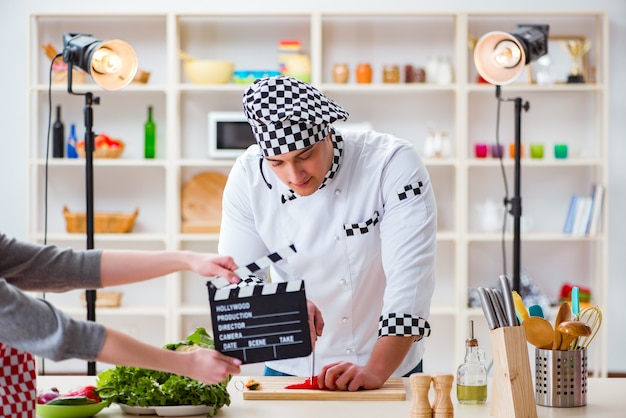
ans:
(509, 305)
(488, 309)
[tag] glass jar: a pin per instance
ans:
(341, 73)
(391, 74)
(364, 73)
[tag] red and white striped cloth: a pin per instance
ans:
(18, 389)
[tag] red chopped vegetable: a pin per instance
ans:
(86, 391)
(307, 384)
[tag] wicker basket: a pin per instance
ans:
(104, 299)
(103, 152)
(103, 222)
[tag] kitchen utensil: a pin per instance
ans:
(508, 301)
(535, 310)
(561, 378)
(570, 330)
(273, 388)
(564, 314)
(539, 332)
(312, 364)
(488, 309)
(575, 302)
(592, 316)
(520, 308)
(498, 309)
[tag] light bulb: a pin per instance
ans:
(105, 61)
(507, 54)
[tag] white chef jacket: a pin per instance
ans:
(385, 268)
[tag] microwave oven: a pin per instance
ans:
(229, 134)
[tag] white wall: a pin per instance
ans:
(13, 109)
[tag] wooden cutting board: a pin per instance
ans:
(201, 203)
(273, 388)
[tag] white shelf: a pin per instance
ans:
(572, 113)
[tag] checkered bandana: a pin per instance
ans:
(287, 114)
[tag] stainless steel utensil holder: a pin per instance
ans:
(561, 378)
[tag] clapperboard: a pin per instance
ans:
(260, 322)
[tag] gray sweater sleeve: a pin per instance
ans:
(35, 325)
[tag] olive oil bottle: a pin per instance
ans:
(471, 376)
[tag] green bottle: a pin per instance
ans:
(149, 136)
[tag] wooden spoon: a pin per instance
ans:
(564, 314)
(539, 332)
(570, 330)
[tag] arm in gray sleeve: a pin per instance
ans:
(48, 268)
(35, 326)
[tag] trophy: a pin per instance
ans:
(577, 48)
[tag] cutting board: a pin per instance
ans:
(201, 203)
(273, 388)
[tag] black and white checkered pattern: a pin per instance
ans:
(410, 190)
(395, 324)
(363, 227)
(337, 141)
(234, 292)
(287, 114)
(266, 261)
(246, 273)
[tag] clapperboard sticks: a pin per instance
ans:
(260, 322)
(257, 265)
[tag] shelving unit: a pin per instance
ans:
(166, 309)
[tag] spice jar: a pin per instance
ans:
(364, 73)
(341, 73)
(391, 74)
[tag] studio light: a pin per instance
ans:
(500, 58)
(111, 64)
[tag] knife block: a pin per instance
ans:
(512, 393)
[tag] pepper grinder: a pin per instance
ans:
(443, 407)
(420, 405)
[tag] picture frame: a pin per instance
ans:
(559, 62)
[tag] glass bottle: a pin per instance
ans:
(72, 142)
(471, 376)
(58, 136)
(149, 136)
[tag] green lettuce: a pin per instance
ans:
(135, 386)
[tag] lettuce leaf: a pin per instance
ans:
(135, 386)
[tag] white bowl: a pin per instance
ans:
(208, 71)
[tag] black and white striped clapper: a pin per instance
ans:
(260, 322)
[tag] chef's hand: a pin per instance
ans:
(346, 376)
(316, 322)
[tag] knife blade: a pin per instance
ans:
(312, 365)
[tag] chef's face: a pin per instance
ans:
(304, 170)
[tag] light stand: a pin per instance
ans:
(500, 58)
(112, 65)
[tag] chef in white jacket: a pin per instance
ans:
(360, 209)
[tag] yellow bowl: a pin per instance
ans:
(208, 71)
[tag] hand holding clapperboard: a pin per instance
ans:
(260, 322)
